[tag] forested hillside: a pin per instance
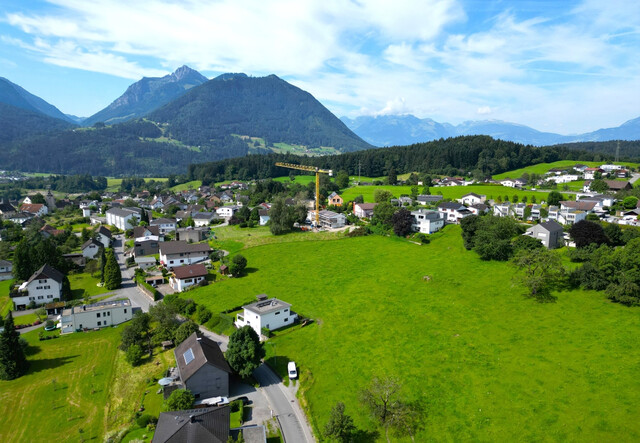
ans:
(16, 123)
(480, 156)
(265, 107)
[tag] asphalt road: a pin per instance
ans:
(129, 288)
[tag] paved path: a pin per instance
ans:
(129, 288)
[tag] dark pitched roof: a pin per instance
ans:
(104, 231)
(177, 247)
(90, 242)
(162, 221)
(139, 231)
(552, 226)
(452, 205)
(47, 271)
(615, 184)
(580, 205)
(205, 351)
(190, 271)
(193, 426)
(473, 194)
(429, 198)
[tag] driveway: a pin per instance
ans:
(129, 289)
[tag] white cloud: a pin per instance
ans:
(484, 110)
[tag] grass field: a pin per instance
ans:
(5, 301)
(542, 168)
(302, 179)
(490, 363)
(113, 184)
(63, 396)
(452, 192)
(195, 184)
(84, 282)
(25, 319)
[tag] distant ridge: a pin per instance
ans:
(390, 130)
(148, 94)
(14, 95)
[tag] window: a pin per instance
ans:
(99, 323)
(277, 313)
(98, 315)
(286, 319)
(188, 356)
(49, 296)
(40, 297)
(125, 311)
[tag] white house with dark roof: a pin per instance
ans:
(6, 270)
(204, 218)
(363, 210)
(472, 199)
(550, 233)
(185, 276)
(91, 248)
(165, 225)
(429, 199)
(123, 218)
(104, 236)
(454, 212)
(427, 221)
(44, 286)
(266, 313)
(178, 253)
(226, 211)
(202, 368)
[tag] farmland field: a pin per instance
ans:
(490, 363)
(452, 192)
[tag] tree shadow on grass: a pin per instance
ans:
(32, 350)
(44, 364)
(363, 436)
(250, 270)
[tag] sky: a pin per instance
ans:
(556, 65)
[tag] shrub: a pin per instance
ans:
(145, 420)
(134, 355)
(179, 400)
(235, 405)
(203, 314)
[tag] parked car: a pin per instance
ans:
(291, 368)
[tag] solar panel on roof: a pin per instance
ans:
(188, 356)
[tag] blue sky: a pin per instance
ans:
(556, 65)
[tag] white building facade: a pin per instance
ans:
(97, 315)
(271, 314)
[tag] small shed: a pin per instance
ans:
(54, 308)
(224, 270)
(167, 344)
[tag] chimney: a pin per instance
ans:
(192, 418)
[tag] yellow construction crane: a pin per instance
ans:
(318, 171)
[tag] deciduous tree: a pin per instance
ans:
(244, 351)
(541, 270)
(586, 232)
(340, 426)
(402, 221)
(179, 400)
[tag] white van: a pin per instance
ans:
(291, 368)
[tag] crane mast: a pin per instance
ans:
(317, 171)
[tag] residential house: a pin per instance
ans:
(580, 205)
(536, 212)
(242, 200)
(405, 201)
(226, 197)
(145, 262)
(49, 231)
(590, 173)
(44, 286)
(508, 182)
(185, 276)
(454, 212)
(156, 204)
(204, 218)
(564, 178)
(96, 315)
(202, 368)
(35, 209)
(266, 313)
(123, 218)
(618, 185)
(479, 208)
(178, 253)
(363, 210)
(335, 200)
(330, 219)
(21, 218)
(6, 209)
(622, 173)
(472, 199)
(550, 233)
(91, 248)
(502, 209)
(76, 259)
(145, 231)
(519, 209)
(580, 167)
(104, 236)
(611, 168)
(6, 270)
(226, 211)
(264, 217)
(194, 426)
(165, 225)
(427, 221)
(147, 245)
(429, 199)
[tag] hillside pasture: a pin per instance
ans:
(490, 363)
(543, 168)
(451, 192)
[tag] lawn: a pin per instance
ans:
(195, 184)
(84, 282)
(63, 396)
(5, 301)
(490, 363)
(542, 168)
(113, 184)
(301, 179)
(25, 319)
(452, 192)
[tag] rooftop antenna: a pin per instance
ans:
(618, 152)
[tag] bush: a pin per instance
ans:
(179, 400)
(184, 331)
(357, 232)
(235, 405)
(203, 314)
(134, 355)
(145, 420)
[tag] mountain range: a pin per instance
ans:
(398, 130)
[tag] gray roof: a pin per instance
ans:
(552, 226)
(120, 212)
(452, 205)
(47, 271)
(265, 306)
(205, 216)
(205, 351)
(177, 247)
(429, 198)
(5, 263)
(104, 231)
(138, 231)
(162, 221)
(193, 426)
(90, 242)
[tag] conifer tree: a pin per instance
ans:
(112, 275)
(13, 362)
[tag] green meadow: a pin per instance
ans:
(452, 192)
(490, 363)
(542, 168)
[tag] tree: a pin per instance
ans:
(493, 236)
(342, 179)
(586, 232)
(382, 195)
(340, 426)
(524, 242)
(103, 262)
(554, 198)
(408, 419)
(281, 219)
(614, 234)
(402, 221)
(112, 274)
(244, 351)
(165, 316)
(599, 185)
(541, 270)
(238, 265)
(179, 400)
(383, 213)
(134, 355)
(630, 202)
(184, 331)
(13, 362)
(381, 397)
(392, 177)
(469, 226)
